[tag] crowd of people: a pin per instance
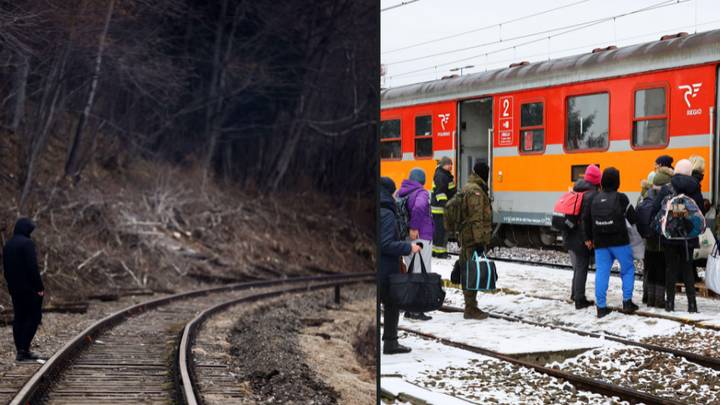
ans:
(427, 236)
(603, 234)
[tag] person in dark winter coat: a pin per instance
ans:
(392, 248)
(679, 254)
(420, 225)
(25, 286)
(654, 261)
(442, 191)
(574, 239)
(606, 232)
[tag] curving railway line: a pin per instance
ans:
(143, 353)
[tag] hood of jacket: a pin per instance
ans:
(583, 185)
(683, 184)
(610, 179)
(408, 187)
(24, 227)
(387, 200)
(663, 176)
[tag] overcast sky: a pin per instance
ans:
(427, 20)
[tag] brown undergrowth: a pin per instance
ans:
(131, 223)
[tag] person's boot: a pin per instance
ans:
(583, 303)
(418, 316)
(650, 301)
(471, 309)
(659, 296)
(601, 312)
(22, 355)
(393, 347)
(629, 307)
(692, 304)
(670, 302)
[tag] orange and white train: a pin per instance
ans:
(538, 125)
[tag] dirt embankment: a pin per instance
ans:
(301, 351)
(129, 223)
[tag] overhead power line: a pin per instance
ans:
(487, 27)
(404, 3)
(590, 45)
(575, 28)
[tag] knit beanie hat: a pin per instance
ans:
(683, 166)
(593, 175)
(482, 170)
(610, 179)
(417, 174)
(388, 184)
(664, 160)
(444, 161)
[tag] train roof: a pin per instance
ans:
(686, 50)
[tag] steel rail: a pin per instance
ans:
(585, 383)
(43, 378)
(186, 365)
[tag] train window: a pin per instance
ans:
(532, 129)
(423, 136)
(390, 139)
(588, 121)
(650, 121)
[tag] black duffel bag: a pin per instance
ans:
(417, 292)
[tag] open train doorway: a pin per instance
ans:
(475, 135)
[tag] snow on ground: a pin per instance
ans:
(555, 283)
(432, 371)
(500, 335)
(561, 313)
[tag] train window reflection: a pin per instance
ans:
(423, 136)
(390, 139)
(532, 130)
(587, 122)
(650, 120)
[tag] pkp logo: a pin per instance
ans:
(444, 119)
(691, 91)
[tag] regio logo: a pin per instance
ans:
(691, 91)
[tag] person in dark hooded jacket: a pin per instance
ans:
(392, 248)
(574, 239)
(606, 232)
(679, 254)
(25, 286)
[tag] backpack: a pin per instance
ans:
(566, 213)
(608, 217)
(680, 218)
(453, 213)
(645, 218)
(403, 217)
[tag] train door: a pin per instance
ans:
(475, 125)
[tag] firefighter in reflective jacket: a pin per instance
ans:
(443, 190)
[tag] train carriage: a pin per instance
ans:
(538, 125)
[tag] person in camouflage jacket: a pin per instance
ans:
(476, 227)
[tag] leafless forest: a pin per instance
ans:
(156, 139)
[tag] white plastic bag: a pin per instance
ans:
(707, 244)
(636, 241)
(712, 271)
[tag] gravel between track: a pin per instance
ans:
(268, 355)
(659, 374)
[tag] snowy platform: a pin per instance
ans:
(501, 336)
(555, 283)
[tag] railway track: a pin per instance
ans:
(580, 382)
(706, 361)
(132, 355)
